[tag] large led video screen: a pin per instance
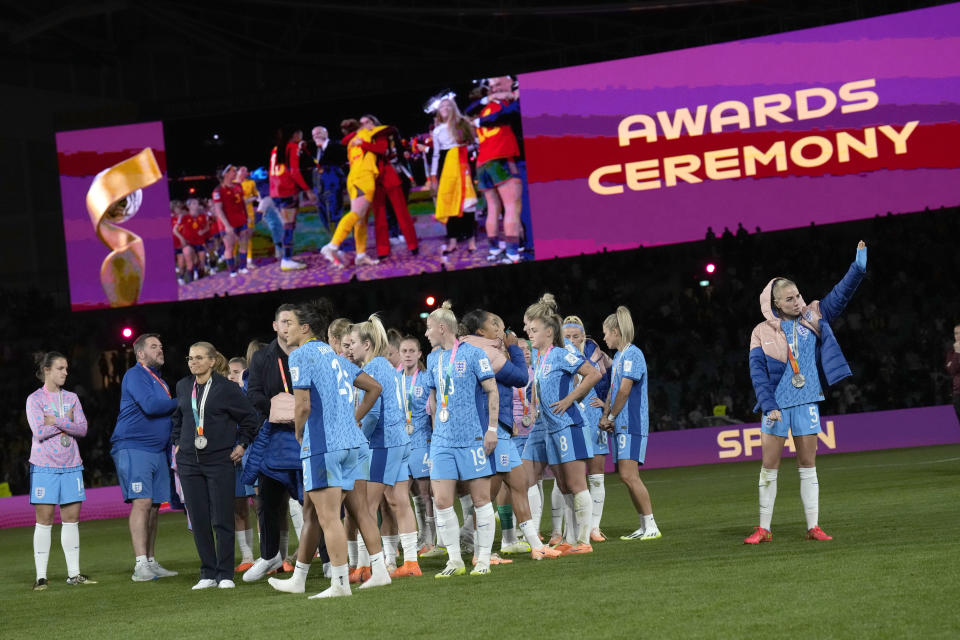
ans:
(817, 126)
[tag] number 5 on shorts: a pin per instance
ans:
(814, 414)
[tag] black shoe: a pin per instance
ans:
(80, 579)
(415, 252)
(40, 585)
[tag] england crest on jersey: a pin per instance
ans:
(461, 367)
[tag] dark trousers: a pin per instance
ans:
(271, 510)
(208, 488)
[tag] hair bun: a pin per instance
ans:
(447, 304)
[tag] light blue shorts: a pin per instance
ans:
(336, 469)
(143, 474)
(56, 486)
(801, 420)
(390, 465)
(599, 439)
(536, 447)
(520, 442)
(568, 444)
(505, 456)
(419, 462)
(631, 446)
(459, 463)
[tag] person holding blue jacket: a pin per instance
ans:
(140, 451)
(791, 352)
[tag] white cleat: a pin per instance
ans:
(332, 255)
(291, 265)
(515, 547)
(651, 535)
(363, 259)
(205, 583)
(159, 571)
(226, 584)
(142, 573)
(290, 585)
(261, 568)
(334, 591)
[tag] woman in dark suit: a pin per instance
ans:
(208, 444)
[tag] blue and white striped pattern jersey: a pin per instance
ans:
(554, 377)
(331, 425)
(390, 430)
(467, 401)
(634, 417)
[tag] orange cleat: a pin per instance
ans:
(359, 575)
(243, 567)
(563, 546)
(577, 550)
(555, 539)
(817, 534)
(544, 552)
(759, 535)
(597, 536)
(287, 567)
(407, 570)
(494, 559)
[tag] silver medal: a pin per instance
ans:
(64, 440)
(409, 428)
(527, 420)
(443, 415)
(200, 442)
(798, 380)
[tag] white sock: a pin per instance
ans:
(296, 514)
(810, 495)
(244, 539)
(486, 527)
(508, 536)
(41, 548)
(448, 534)
(570, 523)
(352, 553)
(536, 505)
(529, 532)
(70, 541)
(768, 495)
(409, 543)
(556, 509)
(377, 565)
(598, 494)
(340, 576)
(141, 560)
(284, 542)
(583, 508)
(363, 558)
(649, 524)
(466, 506)
(300, 571)
(420, 512)
(390, 548)
(430, 531)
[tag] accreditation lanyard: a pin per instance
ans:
(541, 365)
(199, 413)
(157, 378)
(408, 395)
(445, 378)
(793, 349)
(283, 375)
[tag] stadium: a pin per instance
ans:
(602, 193)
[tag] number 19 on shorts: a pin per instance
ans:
(479, 457)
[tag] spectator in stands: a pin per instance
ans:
(953, 368)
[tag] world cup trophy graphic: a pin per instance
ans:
(114, 197)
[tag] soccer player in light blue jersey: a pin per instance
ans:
(626, 415)
(790, 353)
(333, 451)
(386, 429)
(556, 394)
(415, 396)
(464, 392)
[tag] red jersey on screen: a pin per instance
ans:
(175, 225)
(214, 224)
(231, 199)
(194, 229)
(496, 142)
(285, 177)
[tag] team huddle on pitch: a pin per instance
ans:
(347, 420)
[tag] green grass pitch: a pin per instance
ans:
(891, 571)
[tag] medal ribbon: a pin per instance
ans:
(446, 379)
(408, 397)
(541, 363)
(792, 347)
(283, 376)
(198, 415)
(157, 378)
